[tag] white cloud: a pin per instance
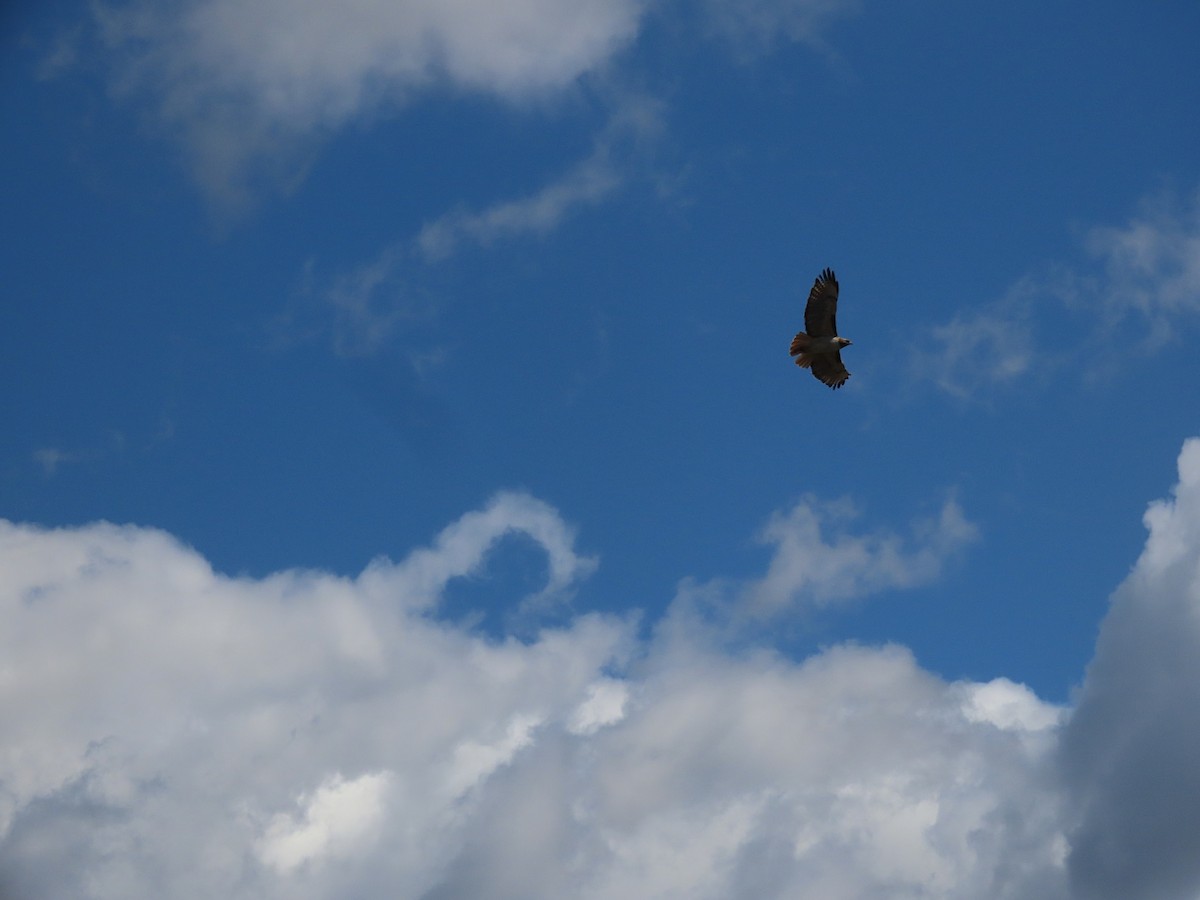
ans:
(1129, 756)
(473, 762)
(247, 83)
(587, 182)
(1151, 269)
(605, 705)
(852, 774)
(1008, 705)
(249, 88)
(637, 120)
(368, 303)
(163, 719)
(169, 729)
(992, 345)
(50, 458)
(461, 549)
(754, 25)
(372, 301)
(339, 816)
(810, 569)
(1140, 289)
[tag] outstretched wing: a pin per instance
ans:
(820, 315)
(828, 368)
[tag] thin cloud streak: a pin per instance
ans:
(633, 127)
(588, 182)
(371, 303)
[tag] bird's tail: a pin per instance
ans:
(799, 344)
(803, 360)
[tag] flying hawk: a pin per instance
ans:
(817, 346)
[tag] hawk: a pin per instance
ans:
(817, 346)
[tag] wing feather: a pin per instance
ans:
(828, 369)
(820, 315)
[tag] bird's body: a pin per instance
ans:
(817, 347)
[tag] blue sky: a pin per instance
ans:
(497, 296)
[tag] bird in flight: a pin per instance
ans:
(817, 347)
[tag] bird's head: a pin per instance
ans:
(842, 342)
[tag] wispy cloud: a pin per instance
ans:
(634, 124)
(587, 182)
(370, 303)
(1150, 278)
(305, 735)
(1140, 287)
(756, 25)
(248, 88)
(50, 458)
(992, 345)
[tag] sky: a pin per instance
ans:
(405, 490)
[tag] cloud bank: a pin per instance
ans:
(171, 731)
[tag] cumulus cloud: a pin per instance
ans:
(1129, 757)
(462, 547)
(339, 818)
(170, 730)
(238, 737)
(851, 774)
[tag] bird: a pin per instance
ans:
(817, 347)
